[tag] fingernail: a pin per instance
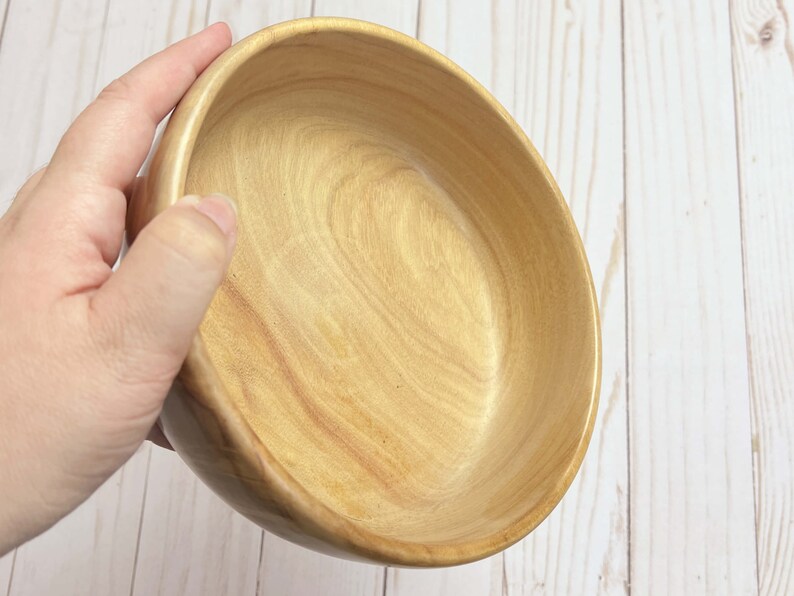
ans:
(219, 208)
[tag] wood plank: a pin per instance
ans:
(135, 31)
(483, 578)
(6, 566)
(567, 85)
(763, 50)
(247, 16)
(191, 542)
(692, 525)
(288, 570)
(47, 65)
(399, 15)
(92, 550)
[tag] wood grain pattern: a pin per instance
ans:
(191, 542)
(465, 33)
(59, 45)
(557, 67)
(691, 482)
(399, 278)
(248, 16)
(6, 567)
(284, 566)
(400, 15)
(289, 569)
(483, 578)
(763, 43)
(567, 90)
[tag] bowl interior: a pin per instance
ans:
(408, 323)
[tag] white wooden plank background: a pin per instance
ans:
(763, 52)
(692, 527)
(670, 128)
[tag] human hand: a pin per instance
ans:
(87, 355)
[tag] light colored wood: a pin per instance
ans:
(190, 542)
(416, 257)
(288, 574)
(557, 68)
(291, 570)
(567, 90)
(400, 15)
(483, 578)
(135, 31)
(286, 568)
(349, 577)
(58, 43)
(248, 16)
(6, 566)
(467, 33)
(763, 43)
(692, 525)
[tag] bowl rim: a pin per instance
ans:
(310, 514)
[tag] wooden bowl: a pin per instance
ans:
(403, 363)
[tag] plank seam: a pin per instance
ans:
(626, 296)
(140, 523)
(3, 25)
(740, 189)
(13, 565)
(102, 41)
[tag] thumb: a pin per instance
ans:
(153, 304)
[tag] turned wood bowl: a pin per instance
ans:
(403, 363)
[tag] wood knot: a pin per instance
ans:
(767, 33)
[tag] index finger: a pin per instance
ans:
(107, 144)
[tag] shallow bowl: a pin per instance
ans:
(403, 363)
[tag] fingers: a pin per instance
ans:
(107, 144)
(155, 301)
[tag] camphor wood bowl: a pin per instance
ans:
(403, 363)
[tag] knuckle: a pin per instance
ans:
(117, 89)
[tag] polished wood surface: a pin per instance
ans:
(403, 362)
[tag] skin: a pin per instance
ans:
(87, 355)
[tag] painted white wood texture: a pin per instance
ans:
(566, 88)
(397, 14)
(6, 565)
(763, 67)
(670, 129)
(692, 516)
